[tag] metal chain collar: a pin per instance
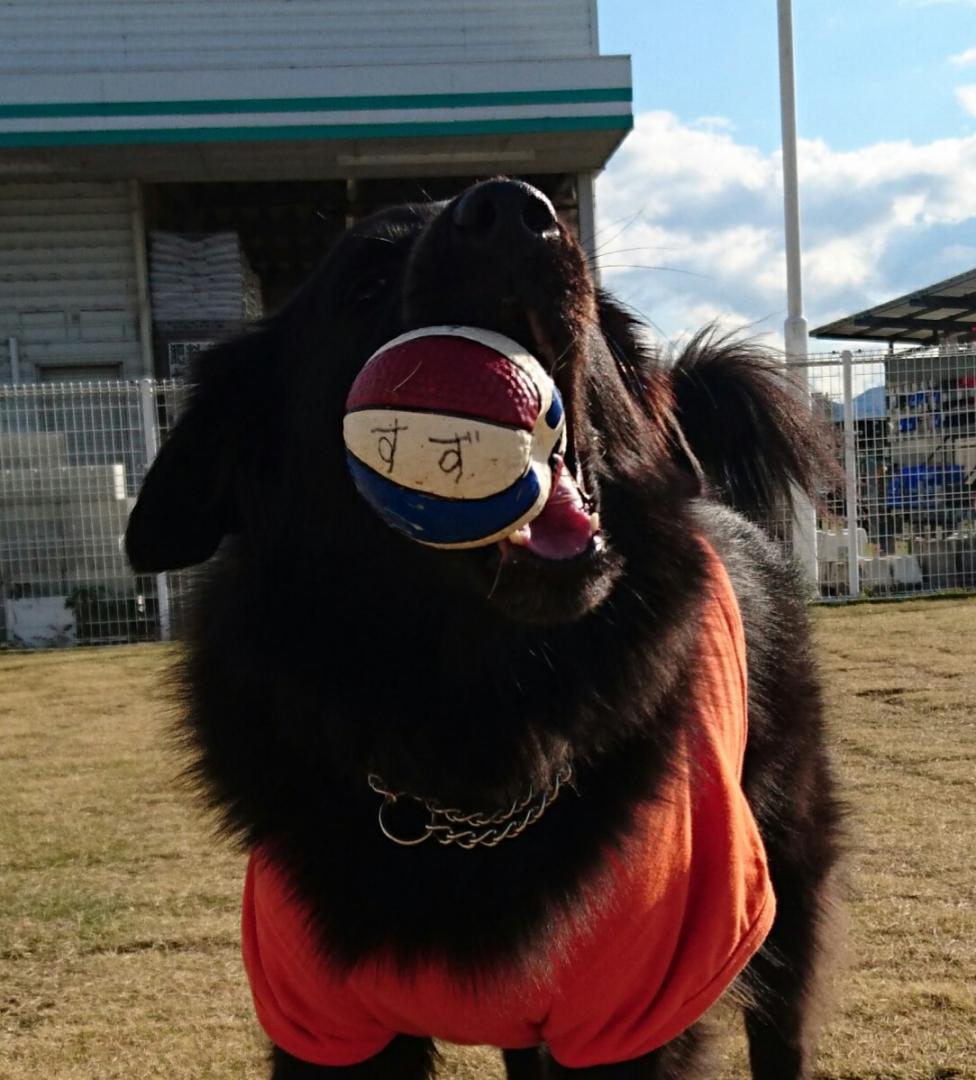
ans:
(468, 830)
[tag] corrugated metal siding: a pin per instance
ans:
(67, 276)
(173, 35)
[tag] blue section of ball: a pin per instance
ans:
(555, 413)
(434, 520)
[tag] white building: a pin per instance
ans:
(165, 162)
(275, 120)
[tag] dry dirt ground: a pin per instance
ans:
(118, 908)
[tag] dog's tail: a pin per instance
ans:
(748, 423)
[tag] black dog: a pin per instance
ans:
(337, 669)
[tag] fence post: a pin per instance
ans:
(850, 473)
(13, 348)
(150, 428)
(804, 517)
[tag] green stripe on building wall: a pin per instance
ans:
(315, 104)
(283, 133)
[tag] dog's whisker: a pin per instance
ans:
(496, 580)
(648, 266)
(596, 256)
(563, 355)
(628, 221)
(641, 316)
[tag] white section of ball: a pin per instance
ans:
(454, 457)
(459, 457)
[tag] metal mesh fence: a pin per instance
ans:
(905, 429)
(72, 457)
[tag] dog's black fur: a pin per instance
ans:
(325, 645)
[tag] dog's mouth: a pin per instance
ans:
(568, 526)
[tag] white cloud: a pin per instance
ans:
(961, 254)
(671, 161)
(843, 262)
(691, 225)
(714, 123)
(964, 58)
(967, 97)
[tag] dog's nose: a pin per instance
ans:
(507, 211)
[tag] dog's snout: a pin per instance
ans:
(503, 210)
(498, 257)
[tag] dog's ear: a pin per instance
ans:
(189, 498)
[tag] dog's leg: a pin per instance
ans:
(785, 984)
(525, 1064)
(786, 981)
(685, 1058)
(405, 1058)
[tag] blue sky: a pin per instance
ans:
(886, 102)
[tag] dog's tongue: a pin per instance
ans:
(564, 527)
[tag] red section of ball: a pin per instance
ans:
(448, 375)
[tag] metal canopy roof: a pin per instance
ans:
(947, 309)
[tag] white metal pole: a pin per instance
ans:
(586, 207)
(13, 347)
(795, 328)
(796, 324)
(147, 399)
(850, 471)
(137, 222)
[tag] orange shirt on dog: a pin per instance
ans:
(681, 910)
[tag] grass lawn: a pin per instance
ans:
(118, 909)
